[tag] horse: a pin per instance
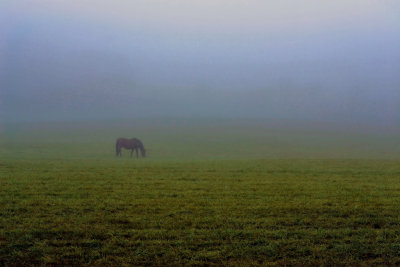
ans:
(132, 144)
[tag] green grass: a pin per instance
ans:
(206, 195)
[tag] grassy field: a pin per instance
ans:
(209, 193)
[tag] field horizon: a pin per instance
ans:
(183, 139)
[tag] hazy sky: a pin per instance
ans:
(307, 60)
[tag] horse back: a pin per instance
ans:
(124, 142)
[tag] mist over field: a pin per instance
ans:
(267, 133)
(334, 62)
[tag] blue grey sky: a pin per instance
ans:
(298, 60)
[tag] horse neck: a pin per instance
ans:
(140, 145)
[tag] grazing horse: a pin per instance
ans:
(132, 144)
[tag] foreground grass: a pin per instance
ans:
(203, 212)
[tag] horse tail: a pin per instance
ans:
(117, 148)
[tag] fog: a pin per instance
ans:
(309, 60)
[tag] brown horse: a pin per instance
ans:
(132, 144)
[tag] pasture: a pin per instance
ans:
(209, 193)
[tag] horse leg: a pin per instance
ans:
(132, 152)
(137, 156)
